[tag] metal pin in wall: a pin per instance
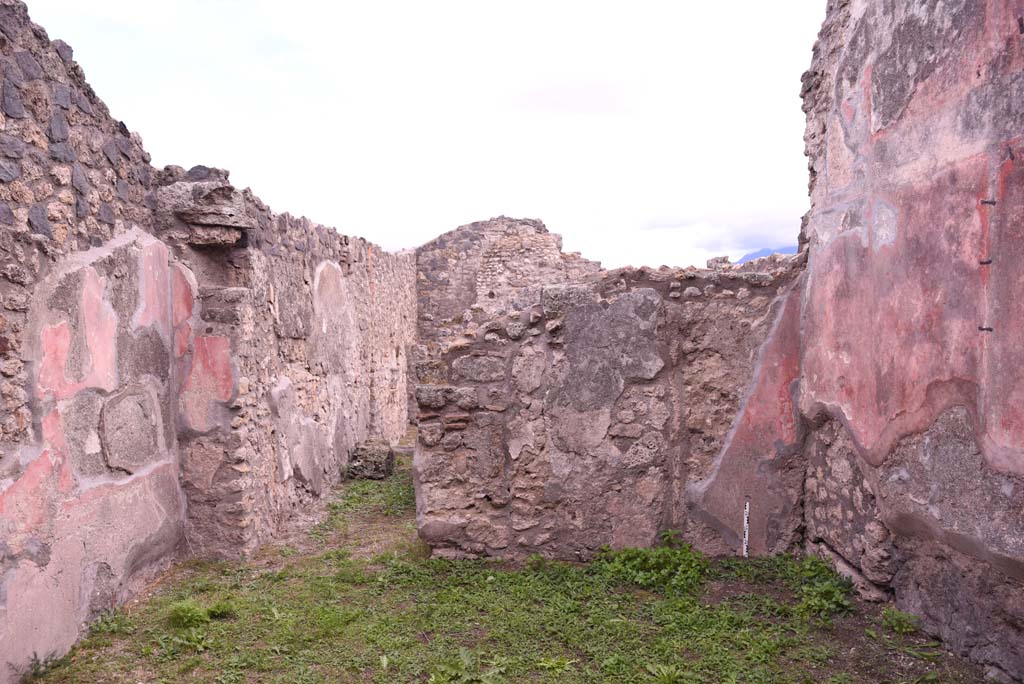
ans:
(985, 262)
(991, 203)
(746, 528)
(985, 328)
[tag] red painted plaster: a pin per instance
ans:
(154, 284)
(767, 423)
(181, 337)
(892, 333)
(1003, 390)
(885, 325)
(182, 297)
(182, 304)
(22, 502)
(99, 326)
(210, 380)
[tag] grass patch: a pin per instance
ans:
(187, 614)
(666, 615)
(670, 568)
(394, 497)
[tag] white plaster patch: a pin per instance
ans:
(92, 443)
(883, 225)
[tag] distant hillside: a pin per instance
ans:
(767, 251)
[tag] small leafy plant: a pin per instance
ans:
(678, 569)
(840, 678)
(194, 639)
(667, 674)
(897, 621)
(112, 623)
(221, 610)
(823, 593)
(556, 665)
(468, 669)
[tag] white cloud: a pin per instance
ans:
(400, 119)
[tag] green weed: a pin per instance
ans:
(112, 623)
(823, 593)
(667, 674)
(468, 668)
(186, 614)
(897, 621)
(678, 569)
(556, 665)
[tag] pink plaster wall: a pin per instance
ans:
(78, 536)
(904, 213)
(764, 439)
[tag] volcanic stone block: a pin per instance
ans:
(59, 130)
(9, 171)
(38, 220)
(28, 65)
(128, 428)
(372, 460)
(479, 368)
(10, 102)
(11, 147)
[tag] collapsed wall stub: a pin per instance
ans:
(565, 408)
(181, 367)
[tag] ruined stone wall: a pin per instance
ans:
(562, 416)
(301, 343)
(481, 271)
(913, 311)
(90, 504)
(881, 414)
(477, 273)
(180, 368)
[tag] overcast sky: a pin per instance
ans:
(646, 132)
